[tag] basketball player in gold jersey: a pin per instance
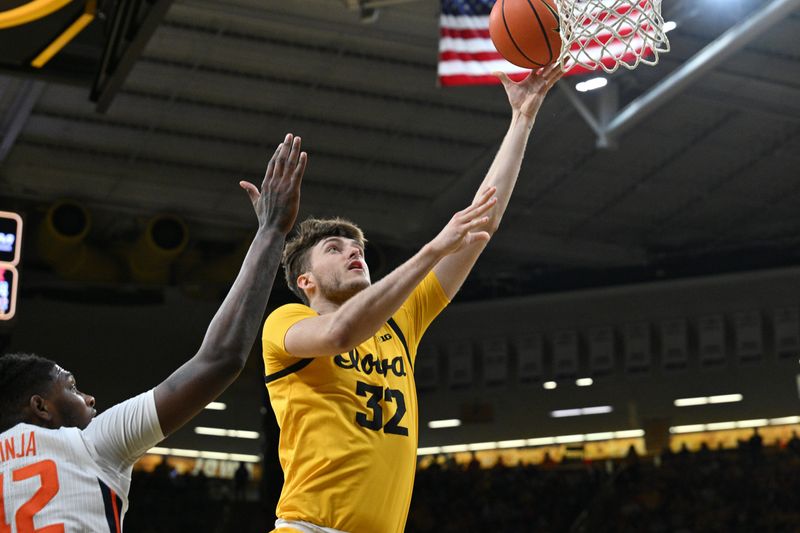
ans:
(339, 369)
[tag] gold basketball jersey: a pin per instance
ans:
(348, 439)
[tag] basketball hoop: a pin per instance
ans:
(609, 33)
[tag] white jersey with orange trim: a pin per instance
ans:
(70, 480)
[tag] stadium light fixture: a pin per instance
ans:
(221, 432)
(591, 85)
(204, 454)
(725, 398)
(703, 400)
(446, 423)
(594, 410)
(536, 441)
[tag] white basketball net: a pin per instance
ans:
(609, 33)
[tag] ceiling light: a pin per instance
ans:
(784, 420)
(177, 452)
(479, 446)
(584, 382)
(550, 385)
(562, 413)
(719, 426)
(757, 423)
(430, 450)
(629, 434)
(690, 428)
(567, 439)
(537, 441)
(595, 410)
(703, 400)
(725, 398)
(447, 423)
(202, 454)
(606, 435)
(541, 441)
(221, 432)
(216, 406)
(591, 85)
(516, 443)
(669, 26)
(686, 402)
(715, 426)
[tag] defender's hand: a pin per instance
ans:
(463, 228)
(526, 96)
(277, 203)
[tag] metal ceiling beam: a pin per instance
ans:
(581, 108)
(12, 124)
(717, 51)
(129, 35)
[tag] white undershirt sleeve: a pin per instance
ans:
(123, 433)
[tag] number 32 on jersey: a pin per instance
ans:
(375, 396)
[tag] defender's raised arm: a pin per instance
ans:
(232, 332)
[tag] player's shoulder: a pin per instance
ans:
(292, 308)
(278, 323)
(24, 427)
(289, 312)
(24, 436)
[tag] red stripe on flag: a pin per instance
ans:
(464, 79)
(465, 34)
(468, 79)
(469, 56)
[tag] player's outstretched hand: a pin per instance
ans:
(526, 96)
(466, 226)
(277, 203)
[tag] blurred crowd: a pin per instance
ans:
(750, 489)
(164, 501)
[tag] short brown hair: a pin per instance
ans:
(310, 232)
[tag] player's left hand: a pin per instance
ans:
(277, 203)
(526, 96)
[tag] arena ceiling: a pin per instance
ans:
(710, 172)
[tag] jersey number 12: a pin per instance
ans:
(46, 470)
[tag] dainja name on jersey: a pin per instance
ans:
(17, 445)
(369, 363)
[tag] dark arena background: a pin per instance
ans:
(624, 358)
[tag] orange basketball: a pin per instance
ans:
(526, 32)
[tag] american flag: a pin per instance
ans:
(467, 55)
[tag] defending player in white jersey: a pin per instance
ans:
(63, 469)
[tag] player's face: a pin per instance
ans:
(339, 268)
(71, 407)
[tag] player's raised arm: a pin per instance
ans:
(363, 314)
(233, 330)
(526, 98)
